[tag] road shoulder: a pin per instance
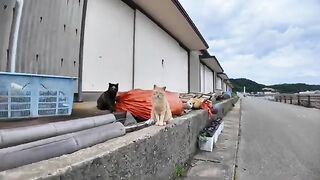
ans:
(221, 162)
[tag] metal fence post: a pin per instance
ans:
(285, 99)
(290, 99)
(299, 100)
(309, 102)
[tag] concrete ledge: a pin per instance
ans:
(150, 153)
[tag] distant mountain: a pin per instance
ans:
(294, 88)
(252, 86)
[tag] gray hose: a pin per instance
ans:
(16, 136)
(56, 146)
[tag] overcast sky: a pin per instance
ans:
(268, 41)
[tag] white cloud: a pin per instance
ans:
(270, 41)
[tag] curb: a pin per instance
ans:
(235, 165)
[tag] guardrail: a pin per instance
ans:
(307, 100)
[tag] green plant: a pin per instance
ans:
(179, 171)
(202, 137)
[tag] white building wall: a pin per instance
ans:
(214, 81)
(224, 86)
(219, 83)
(195, 73)
(108, 45)
(159, 59)
(229, 89)
(208, 80)
(202, 78)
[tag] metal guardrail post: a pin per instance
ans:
(290, 99)
(309, 101)
(299, 100)
(280, 98)
(285, 99)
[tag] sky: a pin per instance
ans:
(268, 41)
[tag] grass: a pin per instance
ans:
(179, 171)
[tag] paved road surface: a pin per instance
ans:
(278, 141)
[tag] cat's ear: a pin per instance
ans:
(110, 84)
(164, 88)
(154, 86)
(117, 84)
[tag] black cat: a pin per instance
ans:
(107, 99)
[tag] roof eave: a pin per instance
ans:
(206, 56)
(194, 27)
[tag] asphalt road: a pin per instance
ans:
(278, 141)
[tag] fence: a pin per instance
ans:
(307, 100)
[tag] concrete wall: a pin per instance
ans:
(108, 45)
(194, 71)
(150, 153)
(143, 154)
(159, 59)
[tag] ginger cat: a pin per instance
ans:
(161, 112)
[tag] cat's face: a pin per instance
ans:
(158, 92)
(113, 87)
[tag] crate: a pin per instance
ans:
(29, 95)
(210, 142)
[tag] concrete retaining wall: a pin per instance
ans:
(150, 153)
(225, 106)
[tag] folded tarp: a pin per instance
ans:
(16, 136)
(23, 154)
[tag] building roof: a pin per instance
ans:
(230, 84)
(174, 19)
(225, 79)
(224, 76)
(212, 62)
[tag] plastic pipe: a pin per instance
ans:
(15, 35)
(16, 136)
(57, 146)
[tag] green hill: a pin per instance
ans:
(252, 86)
(294, 88)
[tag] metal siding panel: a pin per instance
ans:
(48, 35)
(6, 15)
(108, 45)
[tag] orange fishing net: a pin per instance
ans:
(138, 103)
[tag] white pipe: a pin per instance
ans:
(13, 57)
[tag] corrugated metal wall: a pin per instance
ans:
(49, 37)
(6, 15)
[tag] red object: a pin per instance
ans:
(206, 105)
(138, 103)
